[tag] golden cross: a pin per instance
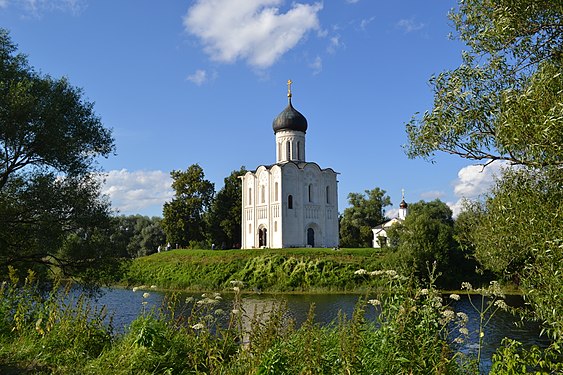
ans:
(289, 82)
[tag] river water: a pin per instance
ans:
(124, 306)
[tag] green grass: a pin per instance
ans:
(272, 270)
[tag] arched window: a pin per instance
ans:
(290, 202)
(288, 151)
(276, 192)
(263, 193)
(249, 196)
(310, 192)
(279, 151)
(298, 150)
(327, 195)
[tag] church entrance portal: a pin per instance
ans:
(310, 237)
(262, 237)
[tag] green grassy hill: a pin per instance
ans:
(267, 270)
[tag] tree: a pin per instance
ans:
(51, 210)
(366, 211)
(504, 101)
(184, 216)
(425, 237)
(226, 212)
(137, 235)
(519, 237)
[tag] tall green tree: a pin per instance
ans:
(505, 103)
(137, 235)
(426, 236)
(365, 212)
(520, 237)
(51, 210)
(226, 212)
(184, 216)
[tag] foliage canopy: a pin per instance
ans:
(51, 211)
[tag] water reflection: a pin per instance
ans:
(125, 305)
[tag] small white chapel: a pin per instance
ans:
(293, 202)
(380, 231)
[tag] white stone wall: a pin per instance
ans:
(290, 146)
(266, 205)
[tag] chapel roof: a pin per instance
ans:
(290, 118)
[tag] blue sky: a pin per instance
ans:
(184, 82)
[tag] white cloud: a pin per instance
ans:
(473, 181)
(365, 22)
(432, 195)
(393, 212)
(3, 3)
(352, 1)
(250, 30)
(38, 7)
(199, 77)
(138, 191)
(409, 25)
(334, 44)
(317, 65)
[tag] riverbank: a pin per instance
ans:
(264, 270)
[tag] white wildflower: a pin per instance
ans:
(374, 302)
(153, 287)
(464, 331)
(189, 299)
(361, 271)
(448, 315)
(235, 311)
(135, 288)
(424, 292)
(455, 297)
(458, 340)
(198, 326)
(146, 295)
(237, 283)
(391, 273)
(466, 285)
(501, 304)
(463, 316)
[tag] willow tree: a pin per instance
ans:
(504, 102)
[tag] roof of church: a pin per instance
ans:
(300, 165)
(290, 119)
(403, 204)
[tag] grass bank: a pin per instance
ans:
(267, 270)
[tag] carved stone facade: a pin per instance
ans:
(292, 203)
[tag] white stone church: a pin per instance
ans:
(292, 203)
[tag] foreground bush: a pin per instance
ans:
(415, 333)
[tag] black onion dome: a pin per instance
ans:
(403, 204)
(290, 119)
